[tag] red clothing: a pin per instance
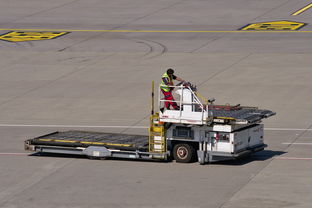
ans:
(169, 96)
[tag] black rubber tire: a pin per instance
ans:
(184, 153)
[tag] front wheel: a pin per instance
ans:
(184, 153)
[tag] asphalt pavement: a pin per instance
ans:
(98, 77)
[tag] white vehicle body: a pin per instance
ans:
(220, 142)
(216, 134)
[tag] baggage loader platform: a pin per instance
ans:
(94, 144)
(86, 139)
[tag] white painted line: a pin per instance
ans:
(13, 153)
(286, 129)
(70, 126)
(279, 158)
(154, 31)
(297, 143)
(293, 158)
(130, 127)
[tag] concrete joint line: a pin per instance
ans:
(225, 69)
(10, 193)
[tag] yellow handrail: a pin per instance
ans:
(202, 97)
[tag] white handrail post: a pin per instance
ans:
(181, 100)
(159, 104)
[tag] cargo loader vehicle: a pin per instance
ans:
(199, 131)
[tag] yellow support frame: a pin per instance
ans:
(156, 129)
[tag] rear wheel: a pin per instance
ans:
(184, 153)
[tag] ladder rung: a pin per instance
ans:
(158, 143)
(157, 140)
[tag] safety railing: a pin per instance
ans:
(193, 101)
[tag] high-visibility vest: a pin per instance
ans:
(163, 85)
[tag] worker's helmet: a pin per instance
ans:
(170, 71)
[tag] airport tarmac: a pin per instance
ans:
(98, 76)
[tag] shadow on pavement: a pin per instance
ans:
(259, 156)
(44, 154)
(58, 155)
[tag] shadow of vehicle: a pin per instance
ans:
(59, 155)
(258, 156)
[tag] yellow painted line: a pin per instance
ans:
(110, 144)
(65, 141)
(100, 143)
(56, 140)
(86, 142)
(227, 118)
(82, 142)
(302, 10)
(155, 31)
(45, 140)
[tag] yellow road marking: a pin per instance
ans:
(19, 36)
(302, 10)
(274, 26)
(155, 31)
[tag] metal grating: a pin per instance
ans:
(248, 114)
(74, 138)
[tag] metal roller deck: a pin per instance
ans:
(84, 139)
(241, 114)
(94, 144)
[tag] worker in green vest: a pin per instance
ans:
(167, 86)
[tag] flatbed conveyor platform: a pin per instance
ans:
(94, 144)
(85, 139)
